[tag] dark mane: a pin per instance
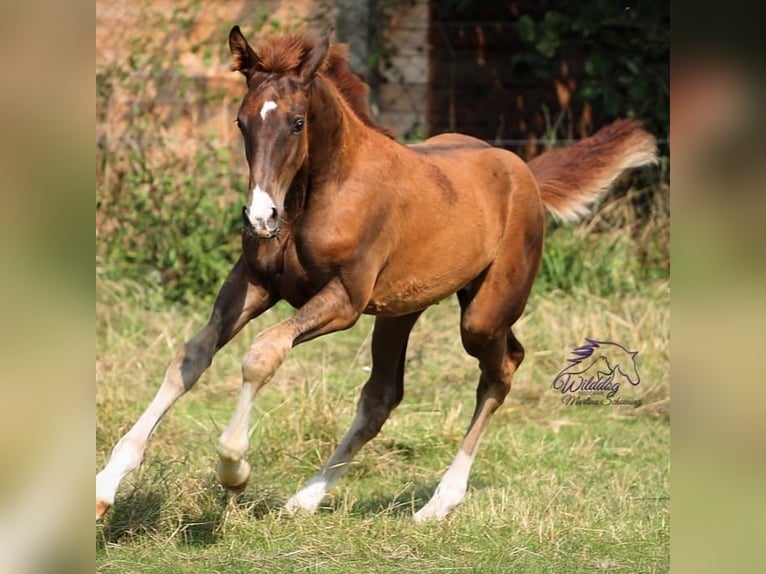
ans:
(283, 53)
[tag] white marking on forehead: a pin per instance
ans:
(267, 107)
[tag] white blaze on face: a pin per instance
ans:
(261, 207)
(267, 107)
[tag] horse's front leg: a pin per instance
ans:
(332, 309)
(238, 301)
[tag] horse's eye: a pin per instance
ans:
(298, 125)
(240, 125)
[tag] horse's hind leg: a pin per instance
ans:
(238, 301)
(499, 360)
(489, 309)
(380, 395)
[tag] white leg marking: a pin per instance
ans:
(232, 470)
(311, 494)
(129, 451)
(308, 497)
(451, 489)
(267, 107)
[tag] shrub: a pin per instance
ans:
(174, 226)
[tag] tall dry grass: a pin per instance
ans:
(554, 488)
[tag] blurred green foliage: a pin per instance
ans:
(618, 52)
(622, 247)
(171, 228)
(625, 52)
(167, 210)
(601, 264)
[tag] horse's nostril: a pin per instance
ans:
(274, 215)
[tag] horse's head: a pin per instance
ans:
(273, 120)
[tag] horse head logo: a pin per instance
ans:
(606, 359)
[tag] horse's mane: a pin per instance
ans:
(283, 53)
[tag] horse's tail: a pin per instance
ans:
(572, 178)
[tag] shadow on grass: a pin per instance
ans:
(144, 514)
(404, 503)
(204, 529)
(136, 515)
(259, 506)
(141, 514)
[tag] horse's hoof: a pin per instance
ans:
(237, 488)
(101, 508)
(233, 476)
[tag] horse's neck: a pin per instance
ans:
(333, 136)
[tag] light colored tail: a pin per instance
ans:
(572, 178)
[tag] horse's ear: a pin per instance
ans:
(312, 62)
(244, 59)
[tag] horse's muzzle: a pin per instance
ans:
(259, 229)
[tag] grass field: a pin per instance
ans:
(555, 488)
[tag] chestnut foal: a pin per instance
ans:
(342, 220)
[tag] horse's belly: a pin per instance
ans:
(400, 294)
(404, 299)
(435, 259)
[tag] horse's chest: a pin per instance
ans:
(282, 270)
(299, 278)
(294, 284)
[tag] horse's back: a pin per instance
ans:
(452, 147)
(449, 142)
(493, 188)
(483, 168)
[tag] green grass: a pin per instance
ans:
(554, 488)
